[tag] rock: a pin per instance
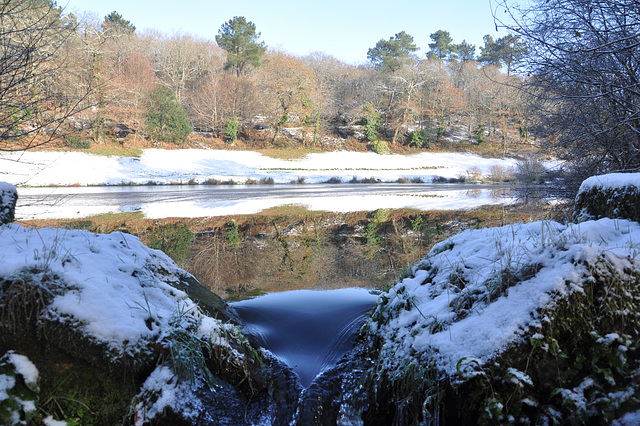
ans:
(615, 195)
(148, 329)
(526, 324)
(8, 200)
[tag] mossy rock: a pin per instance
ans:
(597, 199)
(8, 201)
(579, 365)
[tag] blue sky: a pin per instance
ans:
(345, 29)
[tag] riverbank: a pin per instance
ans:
(157, 166)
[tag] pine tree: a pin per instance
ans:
(240, 40)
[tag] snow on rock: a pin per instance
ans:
(483, 292)
(161, 391)
(109, 285)
(8, 200)
(615, 195)
(18, 389)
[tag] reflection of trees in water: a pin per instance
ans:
(495, 194)
(556, 201)
(474, 193)
(535, 195)
(501, 193)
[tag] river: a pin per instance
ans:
(220, 200)
(308, 330)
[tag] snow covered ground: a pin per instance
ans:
(171, 166)
(32, 172)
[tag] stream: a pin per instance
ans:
(308, 330)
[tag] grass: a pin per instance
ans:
(110, 151)
(289, 210)
(287, 154)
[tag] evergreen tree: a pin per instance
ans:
(442, 46)
(166, 119)
(505, 51)
(240, 40)
(116, 23)
(466, 51)
(392, 54)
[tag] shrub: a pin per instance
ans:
(498, 172)
(370, 121)
(416, 139)
(473, 174)
(231, 234)
(530, 170)
(380, 215)
(231, 130)
(166, 119)
(479, 132)
(77, 142)
(175, 240)
(380, 147)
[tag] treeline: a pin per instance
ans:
(102, 77)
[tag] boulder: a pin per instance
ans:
(8, 200)
(615, 195)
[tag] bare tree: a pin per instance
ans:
(584, 69)
(33, 34)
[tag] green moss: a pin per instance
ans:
(580, 365)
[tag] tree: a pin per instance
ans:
(289, 87)
(116, 23)
(442, 46)
(584, 63)
(466, 51)
(33, 34)
(391, 55)
(181, 61)
(166, 119)
(240, 40)
(507, 51)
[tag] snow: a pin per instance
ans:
(25, 368)
(170, 166)
(478, 257)
(611, 181)
(110, 288)
(163, 386)
(629, 419)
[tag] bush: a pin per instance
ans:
(77, 142)
(498, 172)
(231, 234)
(370, 121)
(231, 130)
(530, 170)
(166, 119)
(174, 240)
(416, 139)
(380, 215)
(380, 147)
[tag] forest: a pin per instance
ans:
(101, 78)
(564, 80)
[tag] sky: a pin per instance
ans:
(343, 29)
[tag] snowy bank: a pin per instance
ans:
(171, 166)
(96, 314)
(615, 195)
(527, 323)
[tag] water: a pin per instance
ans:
(308, 330)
